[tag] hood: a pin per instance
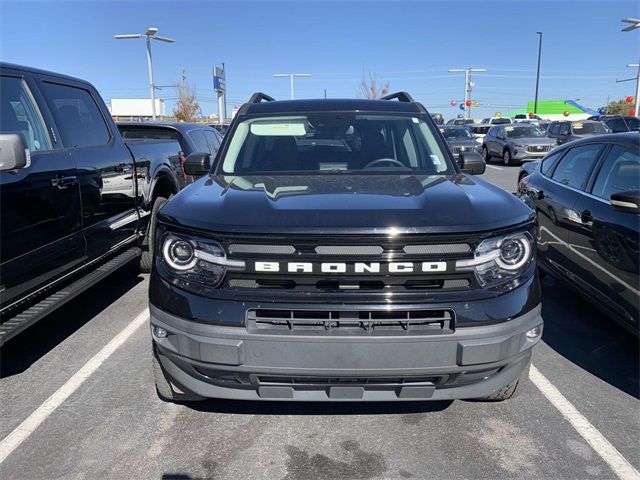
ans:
(532, 141)
(344, 204)
(462, 142)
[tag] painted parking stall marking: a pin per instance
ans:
(33, 421)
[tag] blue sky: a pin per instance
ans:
(409, 44)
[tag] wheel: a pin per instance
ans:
(506, 157)
(146, 259)
(505, 393)
(485, 154)
(164, 389)
(509, 391)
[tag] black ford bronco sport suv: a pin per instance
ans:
(336, 251)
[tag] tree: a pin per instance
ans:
(187, 106)
(369, 87)
(619, 107)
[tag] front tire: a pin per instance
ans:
(486, 154)
(146, 259)
(507, 158)
(165, 390)
(509, 391)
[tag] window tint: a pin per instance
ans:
(134, 132)
(575, 166)
(548, 162)
(565, 128)
(77, 116)
(212, 141)
(19, 114)
(620, 171)
(553, 129)
(617, 125)
(634, 124)
(197, 136)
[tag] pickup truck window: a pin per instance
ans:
(78, 117)
(335, 142)
(19, 113)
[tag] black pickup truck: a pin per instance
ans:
(336, 250)
(75, 199)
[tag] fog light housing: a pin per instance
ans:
(160, 332)
(534, 333)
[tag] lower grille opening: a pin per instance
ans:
(391, 382)
(350, 322)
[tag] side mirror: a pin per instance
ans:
(14, 153)
(197, 164)
(627, 201)
(472, 162)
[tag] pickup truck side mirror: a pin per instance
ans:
(472, 162)
(197, 164)
(14, 153)
(627, 201)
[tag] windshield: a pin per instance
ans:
(462, 121)
(521, 132)
(499, 121)
(334, 142)
(460, 133)
(590, 128)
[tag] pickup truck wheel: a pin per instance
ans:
(146, 259)
(164, 389)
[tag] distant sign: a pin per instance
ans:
(219, 81)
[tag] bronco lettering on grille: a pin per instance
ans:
(351, 268)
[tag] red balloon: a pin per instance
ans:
(632, 112)
(468, 103)
(629, 99)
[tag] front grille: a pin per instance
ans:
(351, 322)
(538, 148)
(302, 265)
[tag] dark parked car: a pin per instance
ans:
(623, 124)
(564, 131)
(460, 139)
(586, 195)
(460, 121)
(516, 143)
(337, 251)
(74, 197)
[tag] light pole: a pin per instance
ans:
(535, 100)
(468, 85)
(635, 24)
(291, 75)
(151, 34)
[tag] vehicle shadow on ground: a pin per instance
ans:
(18, 354)
(578, 331)
(246, 407)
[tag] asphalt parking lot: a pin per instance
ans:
(578, 417)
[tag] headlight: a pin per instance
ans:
(194, 261)
(502, 263)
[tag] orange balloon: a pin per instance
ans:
(632, 112)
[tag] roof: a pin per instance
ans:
(629, 138)
(41, 72)
(330, 105)
(181, 126)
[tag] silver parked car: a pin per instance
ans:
(516, 143)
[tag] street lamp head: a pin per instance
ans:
(151, 31)
(125, 37)
(163, 39)
(635, 24)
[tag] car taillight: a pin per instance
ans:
(524, 181)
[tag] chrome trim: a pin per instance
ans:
(349, 250)
(222, 261)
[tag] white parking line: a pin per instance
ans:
(33, 421)
(494, 167)
(620, 465)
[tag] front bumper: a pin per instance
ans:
(522, 155)
(234, 363)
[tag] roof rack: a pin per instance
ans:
(401, 96)
(259, 97)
